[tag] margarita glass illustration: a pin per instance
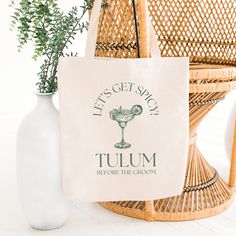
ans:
(123, 116)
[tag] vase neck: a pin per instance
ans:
(45, 101)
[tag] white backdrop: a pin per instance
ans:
(19, 72)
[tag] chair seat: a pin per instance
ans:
(212, 78)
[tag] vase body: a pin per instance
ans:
(38, 167)
(229, 134)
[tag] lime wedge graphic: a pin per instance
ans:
(136, 110)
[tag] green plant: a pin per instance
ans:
(50, 30)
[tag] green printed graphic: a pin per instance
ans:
(122, 116)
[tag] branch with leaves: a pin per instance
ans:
(42, 23)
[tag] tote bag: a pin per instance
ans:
(124, 124)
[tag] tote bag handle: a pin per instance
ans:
(93, 30)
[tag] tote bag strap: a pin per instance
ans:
(93, 30)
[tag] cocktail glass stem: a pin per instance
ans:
(122, 135)
(122, 144)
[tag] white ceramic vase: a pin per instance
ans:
(38, 167)
(229, 134)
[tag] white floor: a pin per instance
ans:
(90, 219)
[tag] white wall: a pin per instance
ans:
(18, 77)
(19, 73)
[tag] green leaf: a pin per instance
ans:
(42, 23)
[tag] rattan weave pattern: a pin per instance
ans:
(205, 30)
(116, 36)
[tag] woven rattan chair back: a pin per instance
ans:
(204, 30)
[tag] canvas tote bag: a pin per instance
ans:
(124, 124)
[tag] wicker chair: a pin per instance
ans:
(204, 30)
